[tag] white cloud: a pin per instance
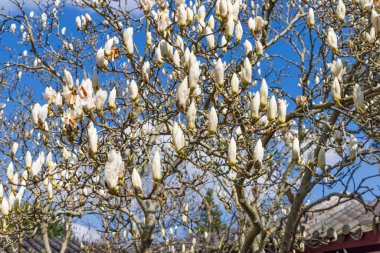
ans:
(85, 233)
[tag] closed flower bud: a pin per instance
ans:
(229, 30)
(332, 40)
(39, 114)
(28, 160)
(212, 121)
(182, 15)
(219, 74)
(112, 99)
(49, 95)
(176, 59)
(136, 181)
(128, 40)
(234, 84)
(247, 47)
(282, 105)
(100, 99)
(210, 38)
(296, 153)
(5, 207)
(113, 169)
(92, 139)
(322, 158)
(336, 91)
(341, 11)
(194, 75)
(259, 47)
(263, 94)
(246, 72)
(183, 94)
(178, 138)
(10, 172)
(58, 102)
(231, 155)
(255, 107)
(238, 31)
(258, 154)
(272, 109)
(148, 39)
(14, 148)
(310, 18)
(337, 69)
(156, 166)
(191, 117)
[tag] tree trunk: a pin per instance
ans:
(67, 234)
(45, 237)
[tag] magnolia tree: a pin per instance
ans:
(146, 104)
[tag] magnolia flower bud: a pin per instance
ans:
(176, 59)
(358, 98)
(210, 38)
(36, 167)
(65, 154)
(257, 24)
(28, 160)
(219, 74)
(255, 107)
(229, 30)
(263, 94)
(166, 49)
(310, 18)
(231, 155)
(353, 148)
(92, 138)
(128, 40)
(50, 191)
(272, 109)
(24, 175)
(1, 191)
(78, 22)
(68, 79)
(341, 11)
(332, 40)
(238, 31)
(236, 10)
(259, 47)
(224, 44)
(181, 15)
(49, 95)
(190, 117)
(296, 153)
(212, 121)
(5, 207)
(146, 5)
(246, 72)
(211, 22)
(136, 181)
(194, 74)
(112, 99)
(178, 138)
(322, 158)
(234, 84)
(223, 8)
(183, 94)
(375, 20)
(58, 102)
(336, 91)
(247, 47)
(148, 39)
(49, 160)
(10, 172)
(258, 154)
(156, 166)
(100, 99)
(14, 148)
(282, 105)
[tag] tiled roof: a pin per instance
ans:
(35, 244)
(337, 219)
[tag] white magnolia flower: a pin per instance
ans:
(310, 17)
(58, 101)
(247, 47)
(282, 105)
(332, 40)
(50, 191)
(92, 138)
(272, 109)
(336, 91)
(191, 116)
(212, 121)
(163, 20)
(145, 71)
(219, 74)
(100, 99)
(14, 148)
(181, 15)
(136, 181)
(156, 166)
(255, 107)
(256, 24)
(259, 47)
(341, 11)
(39, 113)
(211, 22)
(178, 138)
(133, 91)
(147, 5)
(296, 153)
(28, 160)
(375, 20)
(78, 22)
(258, 154)
(101, 61)
(358, 97)
(229, 29)
(238, 31)
(108, 47)
(210, 38)
(5, 207)
(10, 172)
(231, 154)
(128, 40)
(176, 59)
(194, 74)
(113, 169)
(246, 72)
(68, 79)
(36, 167)
(234, 84)
(49, 95)
(263, 94)
(112, 99)
(183, 93)
(337, 69)
(13, 27)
